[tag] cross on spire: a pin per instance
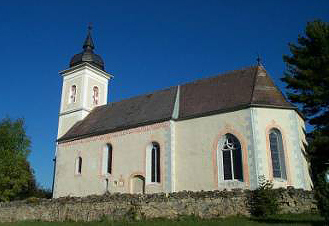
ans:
(89, 44)
(259, 60)
(90, 27)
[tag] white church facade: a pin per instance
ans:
(217, 133)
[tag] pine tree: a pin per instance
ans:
(307, 78)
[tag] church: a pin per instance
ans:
(221, 132)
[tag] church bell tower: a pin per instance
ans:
(85, 85)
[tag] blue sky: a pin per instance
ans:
(147, 45)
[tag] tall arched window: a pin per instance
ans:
(232, 158)
(78, 165)
(107, 159)
(277, 154)
(73, 94)
(155, 162)
(95, 95)
(153, 165)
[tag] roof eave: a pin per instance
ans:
(118, 129)
(237, 108)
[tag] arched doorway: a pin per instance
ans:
(137, 184)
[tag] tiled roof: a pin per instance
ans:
(266, 93)
(234, 90)
(218, 93)
(132, 112)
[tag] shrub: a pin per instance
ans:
(264, 200)
(32, 200)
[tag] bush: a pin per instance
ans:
(264, 200)
(32, 200)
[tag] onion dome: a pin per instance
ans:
(88, 55)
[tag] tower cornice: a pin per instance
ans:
(84, 66)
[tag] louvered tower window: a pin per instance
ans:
(95, 95)
(73, 94)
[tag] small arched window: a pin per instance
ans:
(73, 94)
(78, 165)
(277, 154)
(155, 162)
(232, 158)
(95, 95)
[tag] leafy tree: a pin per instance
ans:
(16, 176)
(307, 78)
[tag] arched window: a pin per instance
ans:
(78, 165)
(73, 94)
(153, 166)
(277, 154)
(232, 158)
(95, 95)
(155, 162)
(107, 159)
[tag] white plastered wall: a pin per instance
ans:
(66, 121)
(303, 142)
(68, 82)
(196, 148)
(84, 77)
(188, 154)
(196, 163)
(128, 160)
(289, 123)
(101, 83)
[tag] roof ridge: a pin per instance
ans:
(139, 96)
(226, 73)
(257, 86)
(254, 84)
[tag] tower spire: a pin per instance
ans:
(89, 44)
(87, 54)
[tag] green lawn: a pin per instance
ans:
(312, 220)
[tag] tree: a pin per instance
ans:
(307, 74)
(307, 78)
(264, 201)
(16, 175)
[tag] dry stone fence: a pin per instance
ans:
(203, 204)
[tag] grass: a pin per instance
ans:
(297, 220)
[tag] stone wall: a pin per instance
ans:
(210, 204)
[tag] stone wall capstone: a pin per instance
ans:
(203, 204)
